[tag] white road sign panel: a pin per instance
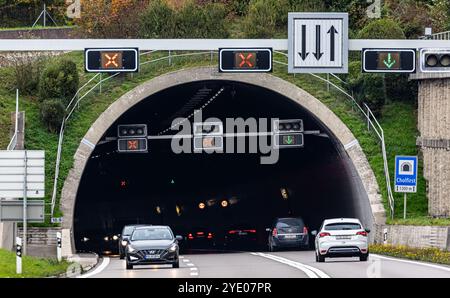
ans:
(12, 174)
(318, 42)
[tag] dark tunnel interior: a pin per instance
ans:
(160, 187)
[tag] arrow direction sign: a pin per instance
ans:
(318, 54)
(329, 44)
(389, 62)
(303, 53)
(332, 33)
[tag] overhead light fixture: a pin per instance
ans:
(178, 210)
(202, 205)
(224, 203)
(158, 210)
(284, 193)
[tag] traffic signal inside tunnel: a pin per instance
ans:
(214, 194)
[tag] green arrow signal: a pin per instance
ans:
(390, 62)
(289, 140)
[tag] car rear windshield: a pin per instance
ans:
(290, 222)
(152, 234)
(342, 226)
(128, 231)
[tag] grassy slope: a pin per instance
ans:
(31, 267)
(399, 122)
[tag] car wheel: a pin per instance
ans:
(364, 258)
(129, 266)
(320, 258)
(176, 265)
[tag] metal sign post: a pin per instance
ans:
(24, 228)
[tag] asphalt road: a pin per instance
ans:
(290, 264)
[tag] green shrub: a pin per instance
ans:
(240, 7)
(27, 71)
(191, 21)
(157, 21)
(374, 92)
(382, 29)
(366, 88)
(52, 113)
(59, 80)
(265, 18)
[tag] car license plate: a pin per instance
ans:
(290, 236)
(343, 237)
(152, 257)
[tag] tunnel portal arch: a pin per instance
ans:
(371, 200)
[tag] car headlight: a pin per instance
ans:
(131, 248)
(115, 237)
(173, 247)
(124, 243)
(106, 238)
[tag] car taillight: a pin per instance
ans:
(190, 237)
(200, 233)
(324, 234)
(274, 232)
(250, 231)
(210, 235)
(305, 230)
(363, 233)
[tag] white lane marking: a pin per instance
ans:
(412, 262)
(193, 269)
(186, 261)
(194, 273)
(310, 271)
(181, 257)
(190, 265)
(99, 269)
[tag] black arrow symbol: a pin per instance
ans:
(303, 54)
(318, 54)
(332, 33)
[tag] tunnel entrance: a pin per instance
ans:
(213, 194)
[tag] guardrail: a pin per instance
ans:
(437, 36)
(372, 121)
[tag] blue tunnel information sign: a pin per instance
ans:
(406, 168)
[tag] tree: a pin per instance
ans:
(59, 80)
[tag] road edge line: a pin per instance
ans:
(309, 273)
(99, 269)
(412, 262)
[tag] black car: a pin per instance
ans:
(126, 233)
(152, 245)
(288, 233)
(242, 237)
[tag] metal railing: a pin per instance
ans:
(13, 143)
(77, 98)
(437, 36)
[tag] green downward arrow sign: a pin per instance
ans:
(390, 62)
(289, 140)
